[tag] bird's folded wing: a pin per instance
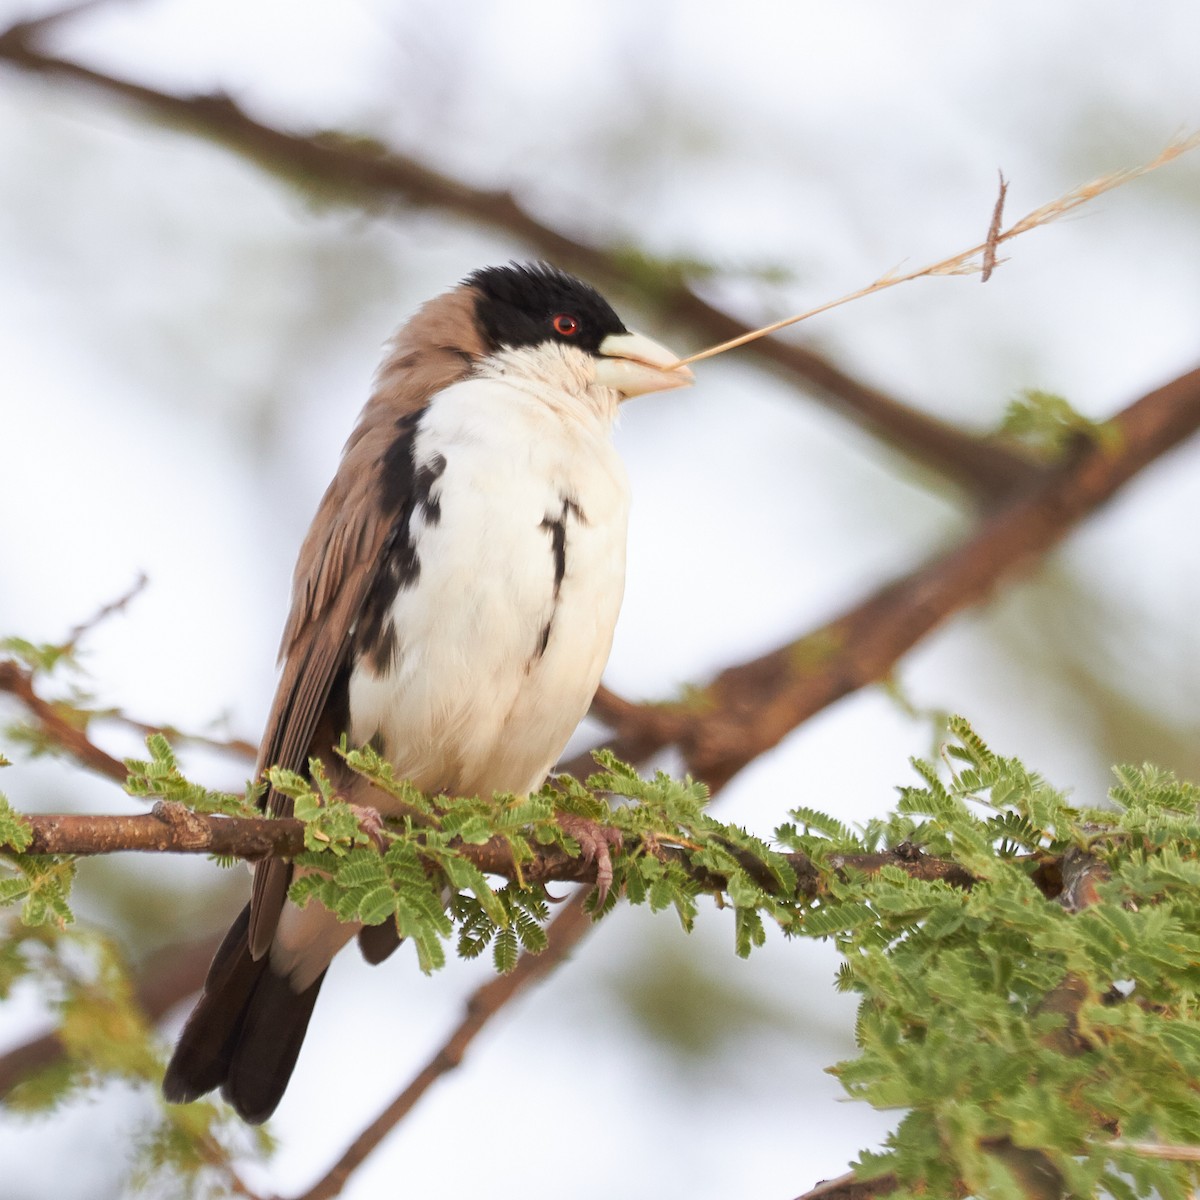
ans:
(339, 560)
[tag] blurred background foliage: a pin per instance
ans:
(186, 342)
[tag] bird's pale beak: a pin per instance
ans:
(634, 365)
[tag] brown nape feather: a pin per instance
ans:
(244, 1034)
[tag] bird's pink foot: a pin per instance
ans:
(596, 843)
(372, 824)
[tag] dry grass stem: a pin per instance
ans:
(978, 259)
(1158, 1150)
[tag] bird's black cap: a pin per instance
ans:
(523, 304)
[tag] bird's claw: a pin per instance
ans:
(372, 824)
(596, 843)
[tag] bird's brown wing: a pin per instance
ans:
(337, 565)
(339, 561)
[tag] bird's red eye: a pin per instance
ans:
(565, 325)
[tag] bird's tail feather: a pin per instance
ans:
(244, 1034)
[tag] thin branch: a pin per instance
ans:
(239, 747)
(66, 724)
(850, 1187)
(17, 681)
(566, 930)
(358, 172)
(750, 708)
(55, 723)
(111, 609)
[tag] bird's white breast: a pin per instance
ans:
(495, 663)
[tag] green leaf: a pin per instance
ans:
(1047, 422)
(505, 950)
(15, 832)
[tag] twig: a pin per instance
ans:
(564, 933)
(358, 172)
(962, 263)
(241, 747)
(105, 611)
(850, 1187)
(18, 681)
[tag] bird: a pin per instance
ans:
(453, 605)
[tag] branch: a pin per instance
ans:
(113, 607)
(357, 172)
(749, 708)
(850, 1187)
(236, 746)
(18, 681)
(168, 828)
(65, 724)
(174, 829)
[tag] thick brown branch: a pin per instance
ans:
(357, 172)
(749, 708)
(169, 828)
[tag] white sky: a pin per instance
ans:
(186, 345)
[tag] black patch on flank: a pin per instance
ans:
(556, 526)
(404, 491)
(427, 476)
(337, 706)
(397, 467)
(518, 304)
